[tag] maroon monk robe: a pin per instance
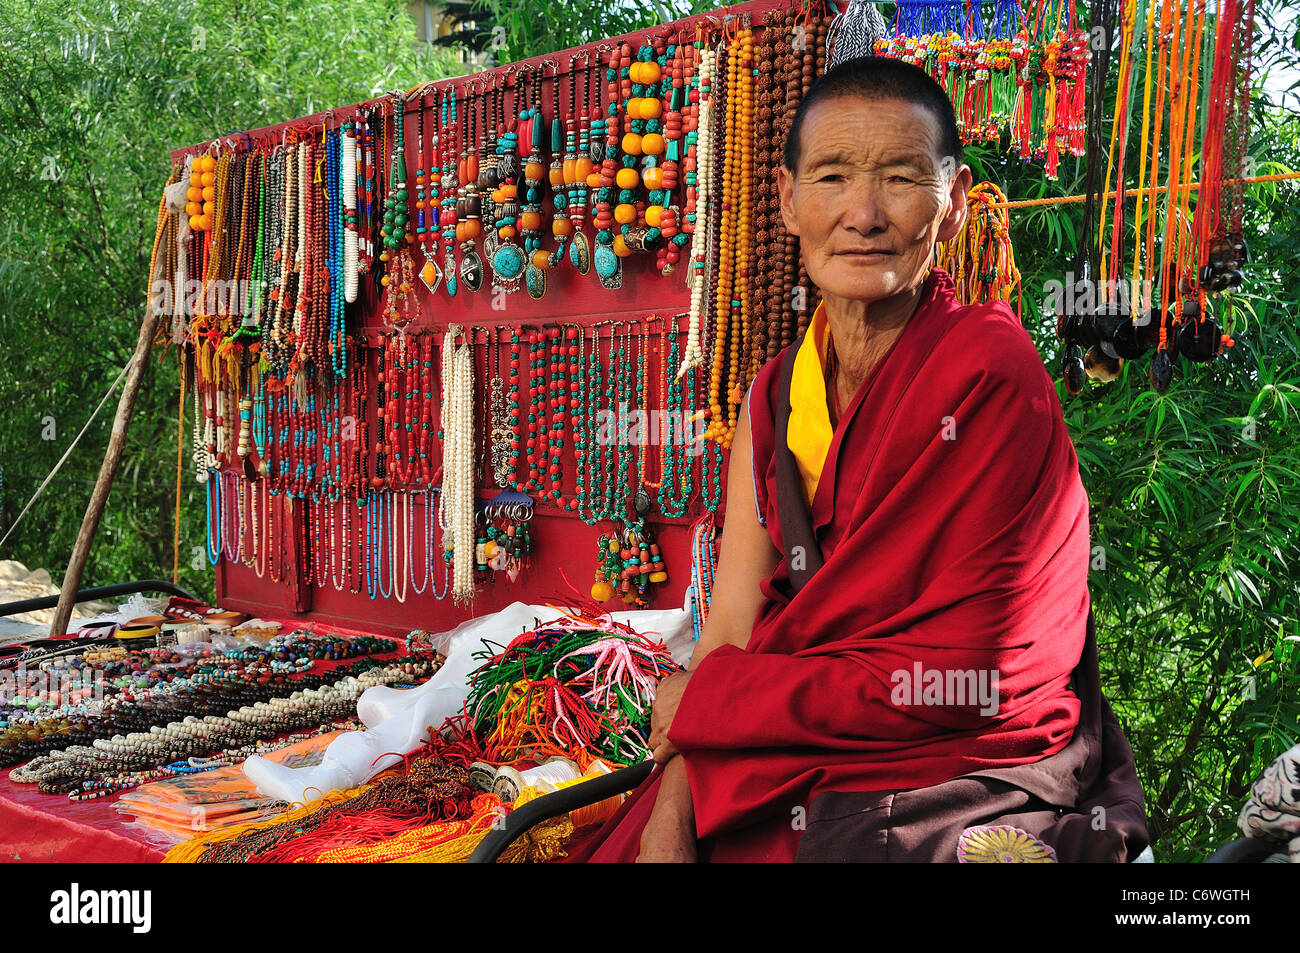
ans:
(954, 529)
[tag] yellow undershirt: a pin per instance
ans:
(809, 433)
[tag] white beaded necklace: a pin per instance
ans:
(456, 501)
(700, 238)
(348, 177)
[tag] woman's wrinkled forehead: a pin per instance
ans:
(872, 132)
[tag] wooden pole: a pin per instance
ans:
(107, 472)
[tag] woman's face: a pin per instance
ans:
(871, 196)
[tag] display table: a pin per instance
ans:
(36, 827)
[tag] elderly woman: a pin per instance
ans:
(901, 596)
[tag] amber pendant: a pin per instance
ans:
(431, 274)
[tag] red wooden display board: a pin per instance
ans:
(563, 546)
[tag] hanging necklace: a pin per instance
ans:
(276, 328)
(395, 574)
(401, 305)
(456, 501)
(532, 137)
(582, 433)
(609, 443)
(367, 190)
(233, 541)
(468, 203)
(578, 170)
(449, 219)
(410, 546)
(516, 397)
(507, 257)
(384, 534)
(396, 229)
(212, 513)
(349, 177)
(435, 553)
(564, 164)
(274, 535)
(609, 248)
(732, 351)
(336, 168)
(500, 429)
(426, 196)
(320, 553)
(677, 480)
(241, 503)
(263, 543)
(371, 588)
(698, 215)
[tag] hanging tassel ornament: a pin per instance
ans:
(852, 34)
(980, 257)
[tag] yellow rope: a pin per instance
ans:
(1129, 193)
(193, 849)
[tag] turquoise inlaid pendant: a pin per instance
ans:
(508, 262)
(535, 279)
(608, 268)
(580, 253)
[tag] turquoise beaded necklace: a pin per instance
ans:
(673, 498)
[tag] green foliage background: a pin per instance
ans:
(1195, 493)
